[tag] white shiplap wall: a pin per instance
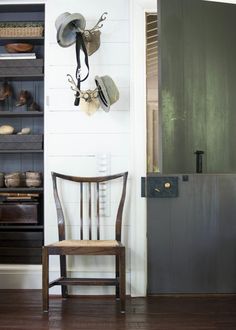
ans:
(74, 141)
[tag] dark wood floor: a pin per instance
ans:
(22, 310)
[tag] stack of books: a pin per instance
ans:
(17, 56)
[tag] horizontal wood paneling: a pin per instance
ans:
(75, 144)
(109, 54)
(101, 122)
(116, 9)
(73, 140)
(119, 73)
(65, 99)
(112, 30)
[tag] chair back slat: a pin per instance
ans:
(90, 196)
(98, 213)
(81, 211)
(90, 210)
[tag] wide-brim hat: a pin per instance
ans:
(108, 93)
(67, 25)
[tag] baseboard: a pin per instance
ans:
(192, 295)
(20, 276)
(30, 277)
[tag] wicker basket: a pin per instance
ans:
(21, 29)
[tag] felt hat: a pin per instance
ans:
(92, 41)
(108, 93)
(67, 25)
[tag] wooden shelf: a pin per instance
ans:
(22, 8)
(21, 113)
(21, 151)
(21, 77)
(20, 227)
(22, 69)
(22, 189)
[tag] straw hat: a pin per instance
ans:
(108, 93)
(67, 25)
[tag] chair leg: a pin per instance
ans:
(64, 289)
(122, 279)
(45, 284)
(117, 278)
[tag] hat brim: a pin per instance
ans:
(62, 39)
(102, 94)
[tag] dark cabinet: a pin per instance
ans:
(22, 220)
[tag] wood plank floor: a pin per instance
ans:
(21, 309)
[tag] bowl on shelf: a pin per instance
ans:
(13, 180)
(31, 183)
(33, 179)
(1, 179)
(33, 175)
(19, 47)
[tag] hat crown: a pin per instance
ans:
(111, 89)
(107, 90)
(67, 26)
(60, 19)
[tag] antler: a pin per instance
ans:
(88, 95)
(98, 25)
(72, 82)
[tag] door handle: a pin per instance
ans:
(159, 186)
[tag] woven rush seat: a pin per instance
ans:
(84, 243)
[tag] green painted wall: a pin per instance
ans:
(197, 82)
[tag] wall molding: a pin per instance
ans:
(138, 144)
(20, 276)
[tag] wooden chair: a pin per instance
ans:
(86, 246)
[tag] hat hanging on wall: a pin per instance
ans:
(92, 36)
(92, 41)
(67, 25)
(104, 95)
(108, 93)
(71, 29)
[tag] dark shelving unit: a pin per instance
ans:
(22, 243)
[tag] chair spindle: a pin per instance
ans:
(98, 213)
(90, 212)
(81, 210)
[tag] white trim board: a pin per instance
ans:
(138, 144)
(20, 276)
